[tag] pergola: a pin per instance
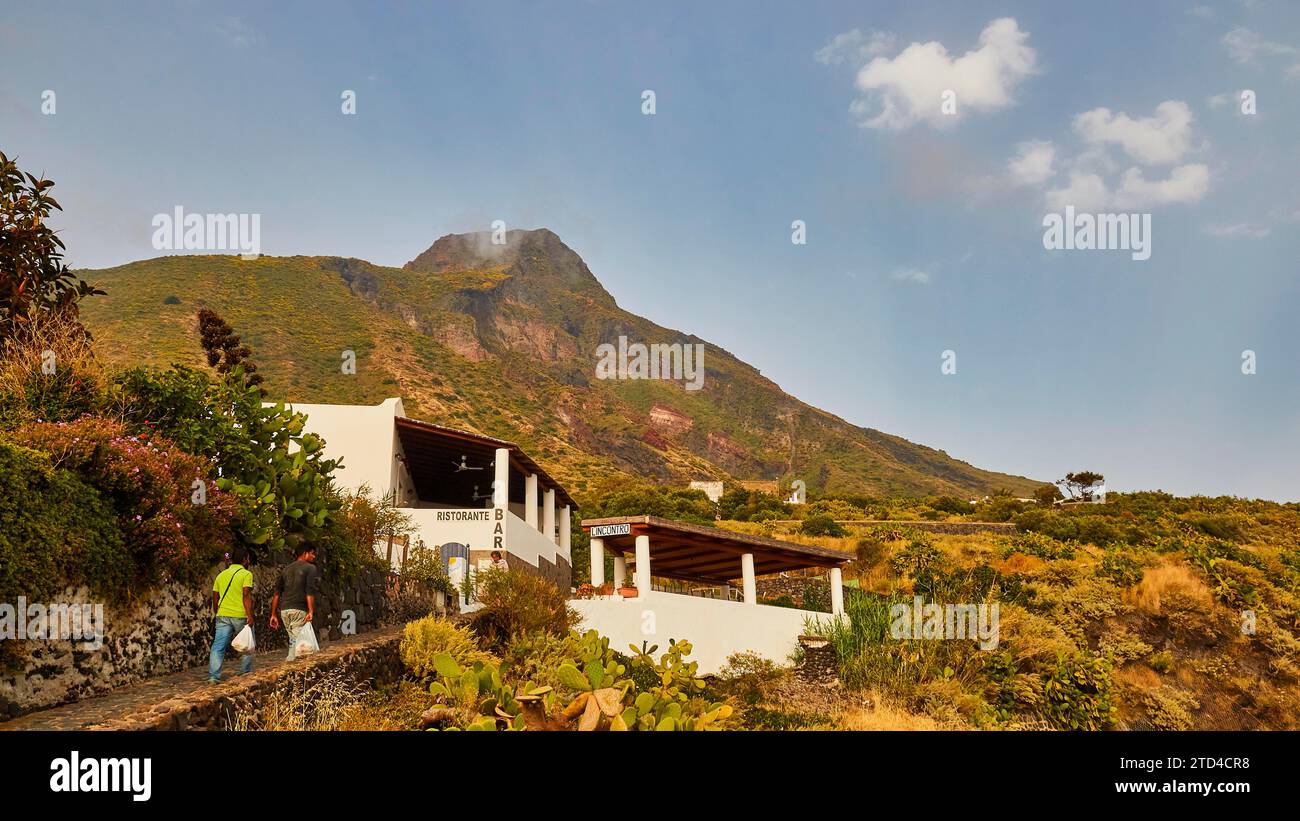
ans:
(698, 553)
(433, 454)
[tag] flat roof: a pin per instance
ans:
(691, 552)
(433, 450)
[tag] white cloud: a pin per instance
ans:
(855, 47)
(911, 275)
(1186, 183)
(1086, 192)
(907, 89)
(238, 33)
(1246, 47)
(1160, 140)
(1032, 164)
(1240, 229)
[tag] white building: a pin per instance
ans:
(466, 493)
(470, 495)
(646, 548)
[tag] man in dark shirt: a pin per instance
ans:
(295, 596)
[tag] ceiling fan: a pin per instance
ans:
(463, 466)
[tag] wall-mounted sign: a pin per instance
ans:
(601, 531)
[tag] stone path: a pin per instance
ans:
(160, 695)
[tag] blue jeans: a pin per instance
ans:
(227, 628)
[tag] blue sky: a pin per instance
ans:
(923, 229)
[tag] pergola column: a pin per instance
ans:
(642, 565)
(747, 577)
(501, 480)
(548, 515)
(566, 522)
(530, 500)
(597, 562)
(620, 572)
(837, 592)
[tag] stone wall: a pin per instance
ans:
(361, 660)
(797, 588)
(171, 630)
(949, 528)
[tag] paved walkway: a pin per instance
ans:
(157, 694)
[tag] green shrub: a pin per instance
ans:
(1120, 567)
(1169, 708)
(55, 530)
(517, 602)
(822, 526)
(426, 638)
(1077, 694)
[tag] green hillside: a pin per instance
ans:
(502, 340)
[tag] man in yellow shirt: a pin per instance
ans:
(232, 607)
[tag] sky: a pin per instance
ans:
(921, 144)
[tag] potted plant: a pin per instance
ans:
(628, 590)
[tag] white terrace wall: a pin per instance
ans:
(715, 628)
(365, 437)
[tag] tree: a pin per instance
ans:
(1046, 495)
(1080, 486)
(33, 276)
(222, 345)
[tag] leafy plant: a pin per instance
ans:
(475, 698)
(33, 275)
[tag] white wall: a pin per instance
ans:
(528, 542)
(715, 628)
(365, 437)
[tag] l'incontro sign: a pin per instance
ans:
(601, 531)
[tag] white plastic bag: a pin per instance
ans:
(304, 644)
(244, 642)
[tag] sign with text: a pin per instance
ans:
(600, 531)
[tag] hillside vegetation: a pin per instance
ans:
(502, 340)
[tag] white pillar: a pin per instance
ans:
(597, 562)
(530, 500)
(642, 565)
(747, 578)
(501, 482)
(566, 539)
(548, 515)
(837, 592)
(620, 572)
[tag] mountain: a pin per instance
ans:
(503, 339)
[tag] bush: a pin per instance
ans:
(55, 530)
(425, 638)
(822, 526)
(1120, 567)
(49, 373)
(516, 602)
(172, 520)
(1077, 694)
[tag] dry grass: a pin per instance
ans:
(1160, 583)
(881, 716)
(76, 368)
(1018, 563)
(324, 704)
